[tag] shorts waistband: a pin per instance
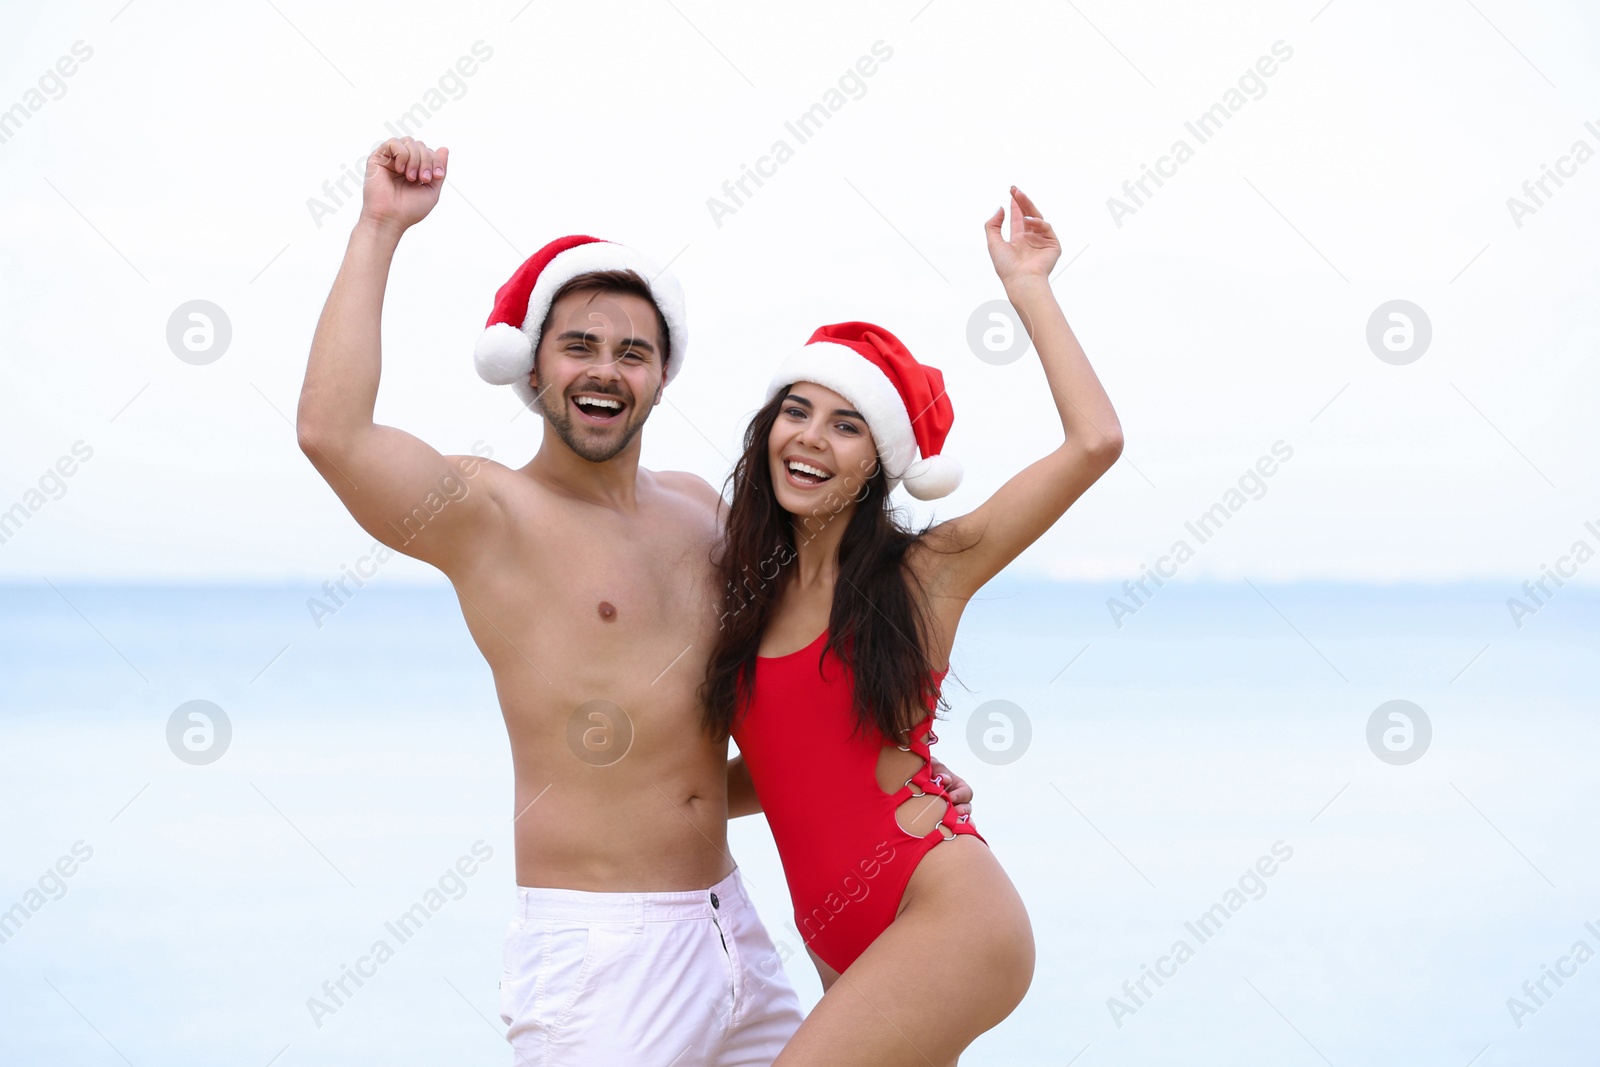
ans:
(726, 896)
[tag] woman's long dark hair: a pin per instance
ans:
(878, 623)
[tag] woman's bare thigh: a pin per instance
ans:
(954, 963)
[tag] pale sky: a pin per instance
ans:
(1226, 313)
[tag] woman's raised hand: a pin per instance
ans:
(402, 182)
(1032, 248)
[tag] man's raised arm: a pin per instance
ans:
(400, 489)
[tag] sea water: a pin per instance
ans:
(1232, 852)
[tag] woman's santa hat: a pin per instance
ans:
(504, 354)
(903, 401)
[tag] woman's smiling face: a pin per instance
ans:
(820, 451)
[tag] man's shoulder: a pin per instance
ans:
(493, 475)
(689, 485)
(472, 464)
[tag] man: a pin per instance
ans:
(585, 581)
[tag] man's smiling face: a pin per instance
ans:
(599, 370)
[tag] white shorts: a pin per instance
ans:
(644, 980)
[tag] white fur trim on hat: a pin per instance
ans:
(934, 477)
(504, 355)
(857, 379)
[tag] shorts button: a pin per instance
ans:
(714, 903)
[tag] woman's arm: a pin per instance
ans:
(742, 799)
(984, 540)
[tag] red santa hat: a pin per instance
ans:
(504, 353)
(903, 401)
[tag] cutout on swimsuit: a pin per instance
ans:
(920, 814)
(922, 811)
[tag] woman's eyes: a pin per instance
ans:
(847, 427)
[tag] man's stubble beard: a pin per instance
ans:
(561, 421)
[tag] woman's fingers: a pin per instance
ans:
(991, 231)
(1032, 220)
(1023, 199)
(958, 792)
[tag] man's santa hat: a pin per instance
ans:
(903, 401)
(504, 354)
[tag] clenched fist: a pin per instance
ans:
(403, 180)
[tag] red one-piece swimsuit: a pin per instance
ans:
(846, 858)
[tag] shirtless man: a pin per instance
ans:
(585, 581)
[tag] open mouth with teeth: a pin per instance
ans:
(804, 473)
(598, 409)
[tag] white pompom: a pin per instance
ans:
(503, 355)
(932, 478)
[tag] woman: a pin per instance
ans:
(836, 624)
